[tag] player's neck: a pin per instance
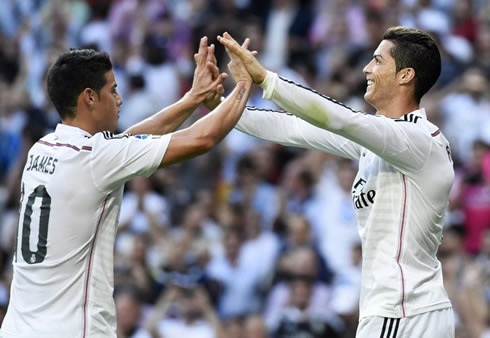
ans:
(397, 107)
(82, 124)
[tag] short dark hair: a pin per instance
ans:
(418, 50)
(72, 72)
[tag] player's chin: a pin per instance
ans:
(367, 96)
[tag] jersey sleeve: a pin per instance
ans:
(117, 159)
(404, 144)
(289, 130)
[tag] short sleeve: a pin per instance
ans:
(117, 159)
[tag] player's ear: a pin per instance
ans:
(406, 75)
(88, 97)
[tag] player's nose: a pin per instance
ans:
(367, 68)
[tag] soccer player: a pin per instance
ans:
(405, 173)
(72, 187)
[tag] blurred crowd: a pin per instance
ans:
(253, 239)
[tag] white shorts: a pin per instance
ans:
(433, 324)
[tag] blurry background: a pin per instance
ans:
(253, 239)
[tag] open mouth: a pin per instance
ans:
(370, 83)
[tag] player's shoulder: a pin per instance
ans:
(415, 121)
(48, 140)
(75, 143)
(107, 139)
(418, 123)
(108, 136)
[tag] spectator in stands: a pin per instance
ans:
(254, 327)
(184, 312)
(143, 210)
(239, 278)
(296, 319)
(301, 290)
(129, 313)
(251, 191)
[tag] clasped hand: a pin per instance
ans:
(207, 85)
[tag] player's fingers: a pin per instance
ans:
(228, 36)
(210, 56)
(203, 51)
(213, 69)
(234, 43)
(246, 43)
(213, 59)
(254, 52)
(220, 90)
(219, 80)
(230, 44)
(196, 57)
(232, 54)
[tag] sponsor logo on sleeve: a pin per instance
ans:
(147, 136)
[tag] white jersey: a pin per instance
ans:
(72, 188)
(400, 192)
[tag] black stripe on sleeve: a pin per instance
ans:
(408, 118)
(280, 111)
(110, 135)
(324, 96)
(384, 328)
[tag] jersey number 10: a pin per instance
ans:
(35, 257)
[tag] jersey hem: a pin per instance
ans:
(6, 334)
(408, 312)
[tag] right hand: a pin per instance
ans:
(253, 66)
(236, 67)
(207, 79)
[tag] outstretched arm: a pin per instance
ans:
(281, 126)
(404, 145)
(211, 129)
(289, 130)
(207, 81)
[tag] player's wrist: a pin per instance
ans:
(192, 98)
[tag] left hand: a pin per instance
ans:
(213, 100)
(236, 67)
(253, 66)
(204, 83)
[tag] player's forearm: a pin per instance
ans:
(221, 120)
(305, 103)
(168, 119)
(275, 126)
(289, 130)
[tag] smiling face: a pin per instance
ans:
(381, 76)
(106, 112)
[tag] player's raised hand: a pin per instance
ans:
(253, 66)
(207, 79)
(214, 99)
(236, 67)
